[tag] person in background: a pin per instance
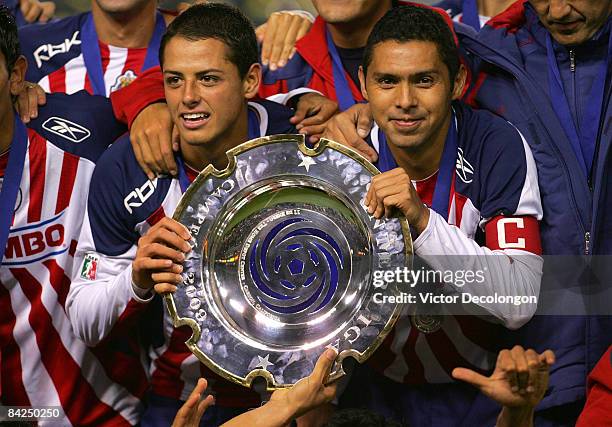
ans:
(30, 11)
(474, 13)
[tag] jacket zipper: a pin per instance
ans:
(572, 58)
(559, 155)
(587, 243)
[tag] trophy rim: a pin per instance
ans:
(210, 170)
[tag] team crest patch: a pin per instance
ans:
(123, 80)
(90, 267)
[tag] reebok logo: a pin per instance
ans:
(47, 51)
(71, 131)
(465, 170)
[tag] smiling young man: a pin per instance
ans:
(466, 181)
(209, 62)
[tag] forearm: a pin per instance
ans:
(272, 414)
(129, 101)
(515, 417)
(508, 273)
(98, 308)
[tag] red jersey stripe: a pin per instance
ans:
(13, 391)
(166, 380)
(63, 370)
(156, 216)
(123, 368)
(58, 279)
(416, 373)
(57, 80)
(70, 166)
(460, 201)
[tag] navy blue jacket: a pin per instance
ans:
(510, 77)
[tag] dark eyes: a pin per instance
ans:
(425, 81)
(208, 79)
(172, 81)
(387, 81)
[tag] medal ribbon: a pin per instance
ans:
(343, 90)
(93, 59)
(253, 132)
(446, 171)
(11, 181)
(583, 139)
(470, 14)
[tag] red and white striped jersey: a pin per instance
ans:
(118, 65)
(43, 363)
(123, 204)
(494, 209)
(61, 58)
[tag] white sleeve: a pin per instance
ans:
(101, 295)
(510, 272)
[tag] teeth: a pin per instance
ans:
(195, 116)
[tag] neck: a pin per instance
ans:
(132, 29)
(198, 156)
(492, 8)
(6, 137)
(354, 34)
(423, 161)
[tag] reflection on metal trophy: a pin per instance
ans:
(283, 258)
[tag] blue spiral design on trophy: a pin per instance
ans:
(295, 267)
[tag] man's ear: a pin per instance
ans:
(460, 80)
(17, 76)
(251, 81)
(362, 83)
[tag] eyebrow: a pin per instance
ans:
(199, 73)
(422, 73)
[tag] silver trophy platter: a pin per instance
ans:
(283, 259)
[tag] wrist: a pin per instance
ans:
(420, 223)
(280, 413)
(521, 416)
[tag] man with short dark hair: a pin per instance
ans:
(211, 74)
(466, 181)
(544, 65)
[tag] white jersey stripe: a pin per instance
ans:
(75, 75)
(118, 57)
(54, 160)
